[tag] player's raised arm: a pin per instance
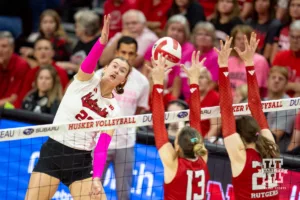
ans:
(232, 140)
(166, 151)
(254, 100)
(86, 70)
(193, 74)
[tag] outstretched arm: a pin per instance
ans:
(232, 140)
(89, 64)
(254, 100)
(166, 151)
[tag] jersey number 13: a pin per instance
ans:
(201, 184)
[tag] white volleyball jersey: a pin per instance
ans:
(136, 94)
(83, 101)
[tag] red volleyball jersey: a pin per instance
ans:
(190, 181)
(252, 183)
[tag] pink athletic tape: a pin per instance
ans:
(90, 62)
(100, 155)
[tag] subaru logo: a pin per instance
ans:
(28, 131)
(182, 114)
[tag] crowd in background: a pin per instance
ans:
(38, 59)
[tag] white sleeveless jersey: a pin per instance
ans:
(83, 101)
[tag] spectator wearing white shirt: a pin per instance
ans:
(133, 101)
(134, 25)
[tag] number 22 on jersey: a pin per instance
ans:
(192, 195)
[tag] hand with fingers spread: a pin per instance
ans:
(224, 52)
(105, 30)
(158, 70)
(250, 49)
(193, 72)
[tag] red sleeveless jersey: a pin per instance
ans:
(190, 181)
(252, 183)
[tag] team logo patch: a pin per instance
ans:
(226, 73)
(159, 90)
(251, 72)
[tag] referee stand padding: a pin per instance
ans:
(146, 137)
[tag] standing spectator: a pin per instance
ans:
(116, 8)
(246, 7)
(280, 122)
(191, 9)
(293, 15)
(265, 25)
(13, 69)
(47, 92)
(291, 59)
(204, 39)
(43, 53)
(208, 7)
(87, 26)
(237, 72)
(226, 17)
(50, 28)
(134, 25)
(156, 13)
(177, 85)
(133, 101)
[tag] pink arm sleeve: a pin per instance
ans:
(100, 155)
(90, 62)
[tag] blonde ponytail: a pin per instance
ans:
(199, 150)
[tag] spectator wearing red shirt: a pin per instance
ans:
(12, 70)
(116, 8)
(43, 53)
(208, 7)
(291, 59)
(156, 13)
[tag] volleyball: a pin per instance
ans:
(169, 48)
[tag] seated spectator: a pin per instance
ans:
(51, 29)
(87, 26)
(134, 25)
(116, 8)
(246, 8)
(266, 27)
(176, 105)
(283, 40)
(177, 85)
(43, 53)
(208, 7)
(12, 70)
(226, 17)
(191, 9)
(294, 146)
(47, 92)
(281, 11)
(280, 122)
(241, 94)
(204, 39)
(236, 66)
(156, 13)
(291, 59)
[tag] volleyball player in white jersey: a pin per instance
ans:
(132, 102)
(67, 157)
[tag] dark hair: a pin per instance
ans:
(249, 131)
(191, 143)
(127, 40)
(179, 102)
(120, 87)
(235, 12)
(41, 39)
(174, 10)
(271, 10)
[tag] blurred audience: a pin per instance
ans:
(246, 8)
(291, 59)
(265, 25)
(87, 27)
(240, 94)
(13, 69)
(116, 8)
(47, 92)
(226, 17)
(191, 9)
(134, 25)
(236, 65)
(280, 122)
(294, 146)
(208, 7)
(282, 7)
(156, 13)
(49, 28)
